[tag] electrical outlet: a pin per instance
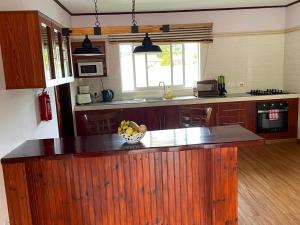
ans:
(242, 84)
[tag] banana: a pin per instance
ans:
(133, 125)
(131, 128)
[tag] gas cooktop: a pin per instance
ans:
(267, 92)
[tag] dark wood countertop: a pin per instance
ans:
(162, 140)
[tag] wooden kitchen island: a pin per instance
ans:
(173, 177)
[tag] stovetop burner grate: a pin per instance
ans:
(267, 92)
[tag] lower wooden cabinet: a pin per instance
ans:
(167, 117)
(163, 187)
(156, 118)
(97, 122)
(195, 107)
(241, 113)
(150, 116)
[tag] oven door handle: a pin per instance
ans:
(267, 111)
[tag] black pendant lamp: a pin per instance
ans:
(87, 46)
(147, 45)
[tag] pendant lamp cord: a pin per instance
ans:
(97, 23)
(134, 22)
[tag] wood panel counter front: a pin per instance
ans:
(173, 177)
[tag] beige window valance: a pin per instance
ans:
(200, 32)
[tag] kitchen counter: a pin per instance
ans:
(185, 100)
(113, 143)
(181, 176)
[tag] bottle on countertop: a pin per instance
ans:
(221, 86)
(169, 93)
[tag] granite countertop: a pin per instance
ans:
(184, 100)
(161, 140)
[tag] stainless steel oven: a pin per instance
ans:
(265, 124)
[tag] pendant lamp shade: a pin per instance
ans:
(147, 46)
(87, 48)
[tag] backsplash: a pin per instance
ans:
(292, 65)
(292, 62)
(247, 62)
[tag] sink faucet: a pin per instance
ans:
(164, 85)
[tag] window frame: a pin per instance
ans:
(156, 88)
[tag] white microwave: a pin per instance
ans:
(90, 69)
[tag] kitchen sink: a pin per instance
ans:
(128, 101)
(158, 99)
(154, 99)
(148, 99)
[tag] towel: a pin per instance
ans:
(273, 114)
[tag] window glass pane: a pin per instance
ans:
(56, 55)
(126, 67)
(46, 51)
(192, 67)
(66, 57)
(140, 70)
(184, 57)
(177, 50)
(159, 67)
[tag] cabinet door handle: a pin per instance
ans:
(232, 110)
(233, 123)
(267, 111)
(159, 118)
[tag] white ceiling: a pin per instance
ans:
(87, 6)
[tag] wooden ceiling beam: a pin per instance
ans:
(114, 30)
(128, 29)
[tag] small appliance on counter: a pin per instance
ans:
(85, 89)
(221, 86)
(207, 88)
(107, 95)
(84, 96)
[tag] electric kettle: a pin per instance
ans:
(107, 95)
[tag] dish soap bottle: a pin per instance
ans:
(169, 93)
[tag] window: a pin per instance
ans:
(178, 66)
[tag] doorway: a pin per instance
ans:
(64, 111)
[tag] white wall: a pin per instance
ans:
(19, 109)
(293, 16)
(256, 60)
(292, 53)
(47, 7)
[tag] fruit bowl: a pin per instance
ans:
(133, 139)
(131, 132)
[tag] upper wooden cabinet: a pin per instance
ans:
(34, 52)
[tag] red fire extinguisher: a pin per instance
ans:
(45, 104)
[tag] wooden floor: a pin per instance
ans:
(269, 184)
